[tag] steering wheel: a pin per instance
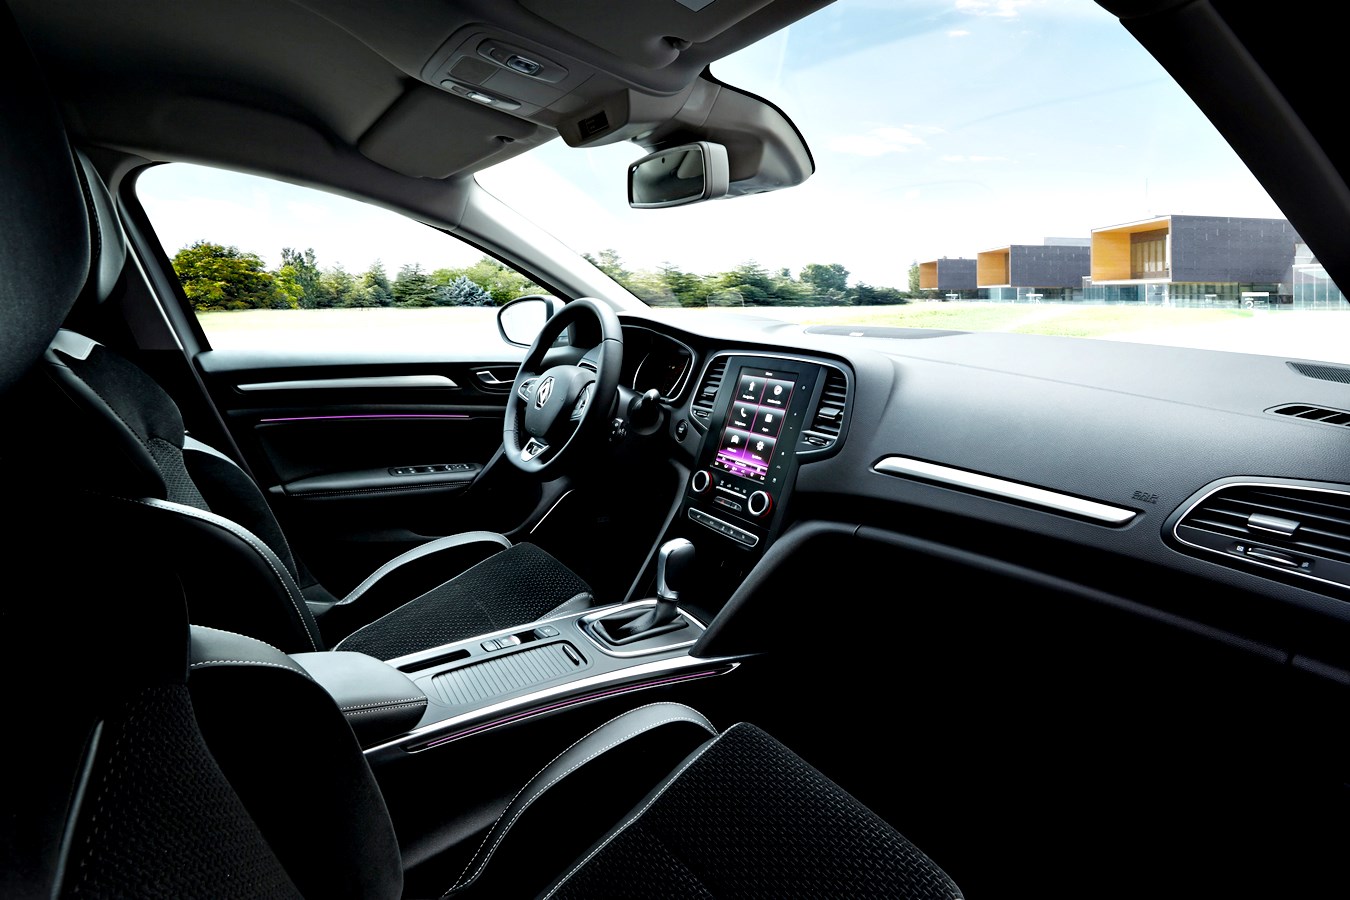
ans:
(553, 411)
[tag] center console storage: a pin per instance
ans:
(507, 676)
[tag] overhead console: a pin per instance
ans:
(761, 417)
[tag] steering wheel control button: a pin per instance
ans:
(700, 481)
(532, 448)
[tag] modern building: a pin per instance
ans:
(1312, 287)
(1053, 270)
(950, 276)
(1194, 261)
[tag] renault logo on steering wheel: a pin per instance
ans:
(545, 391)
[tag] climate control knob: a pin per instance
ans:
(700, 481)
(758, 504)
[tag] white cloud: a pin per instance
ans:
(879, 141)
(1003, 9)
(957, 33)
(961, 157)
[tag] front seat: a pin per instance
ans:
(150, 758)
(114, 430)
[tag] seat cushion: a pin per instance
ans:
(745, 817)
(520, 584)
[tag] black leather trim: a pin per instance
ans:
(246, 585)
(422, 557)
(587, 749)
(378, 701)
(209, 647)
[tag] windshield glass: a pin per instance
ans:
(1006, 165)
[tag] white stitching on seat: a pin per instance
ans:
(363, 712)
(486, 857)
(196, 446)
(239, 531)
(237, 634)
(242, 662)
(405, 700)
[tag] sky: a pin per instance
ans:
(938, 129)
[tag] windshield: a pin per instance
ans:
(996, 165)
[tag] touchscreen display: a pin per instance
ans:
(754, 422)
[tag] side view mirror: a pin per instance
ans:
(689, 173)
(521, 320)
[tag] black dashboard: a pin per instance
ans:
(976, 444)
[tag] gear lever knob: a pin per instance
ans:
(672, 565)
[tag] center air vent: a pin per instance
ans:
(827, 421)
(705, 398)
(1301, 530)
(1314, 414)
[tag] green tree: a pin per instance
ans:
(337, 288)
(299, 273)
(373, 288)
(750, 281)
(687, 288)
(463, 291)
(217, 277)
(825, 277)
(914, 279)
(864, 294)
(413, 287)
(608, 261)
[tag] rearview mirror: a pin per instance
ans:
(689, 173)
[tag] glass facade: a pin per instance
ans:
(1148, 254)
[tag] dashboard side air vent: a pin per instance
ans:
(1301, 530)
(1314, 413)
(826, 423)
(705, 398)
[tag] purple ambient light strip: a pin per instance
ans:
(563, 704)
(370, 416)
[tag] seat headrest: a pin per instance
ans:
(44, 232)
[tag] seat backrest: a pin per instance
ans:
(131, 771)
(109, 428)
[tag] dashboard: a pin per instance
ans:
(978, 444)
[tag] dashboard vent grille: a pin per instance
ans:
(828, 419)
(705, 398)
(1314, 413)
(1326, 373)
(1302, 530)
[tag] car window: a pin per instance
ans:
(1007, 166)
(267, 264)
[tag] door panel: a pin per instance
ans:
(362, 459)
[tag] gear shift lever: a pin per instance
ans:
(672, 568)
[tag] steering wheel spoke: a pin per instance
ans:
(583, 403)
(533, 449)
(554, 410)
